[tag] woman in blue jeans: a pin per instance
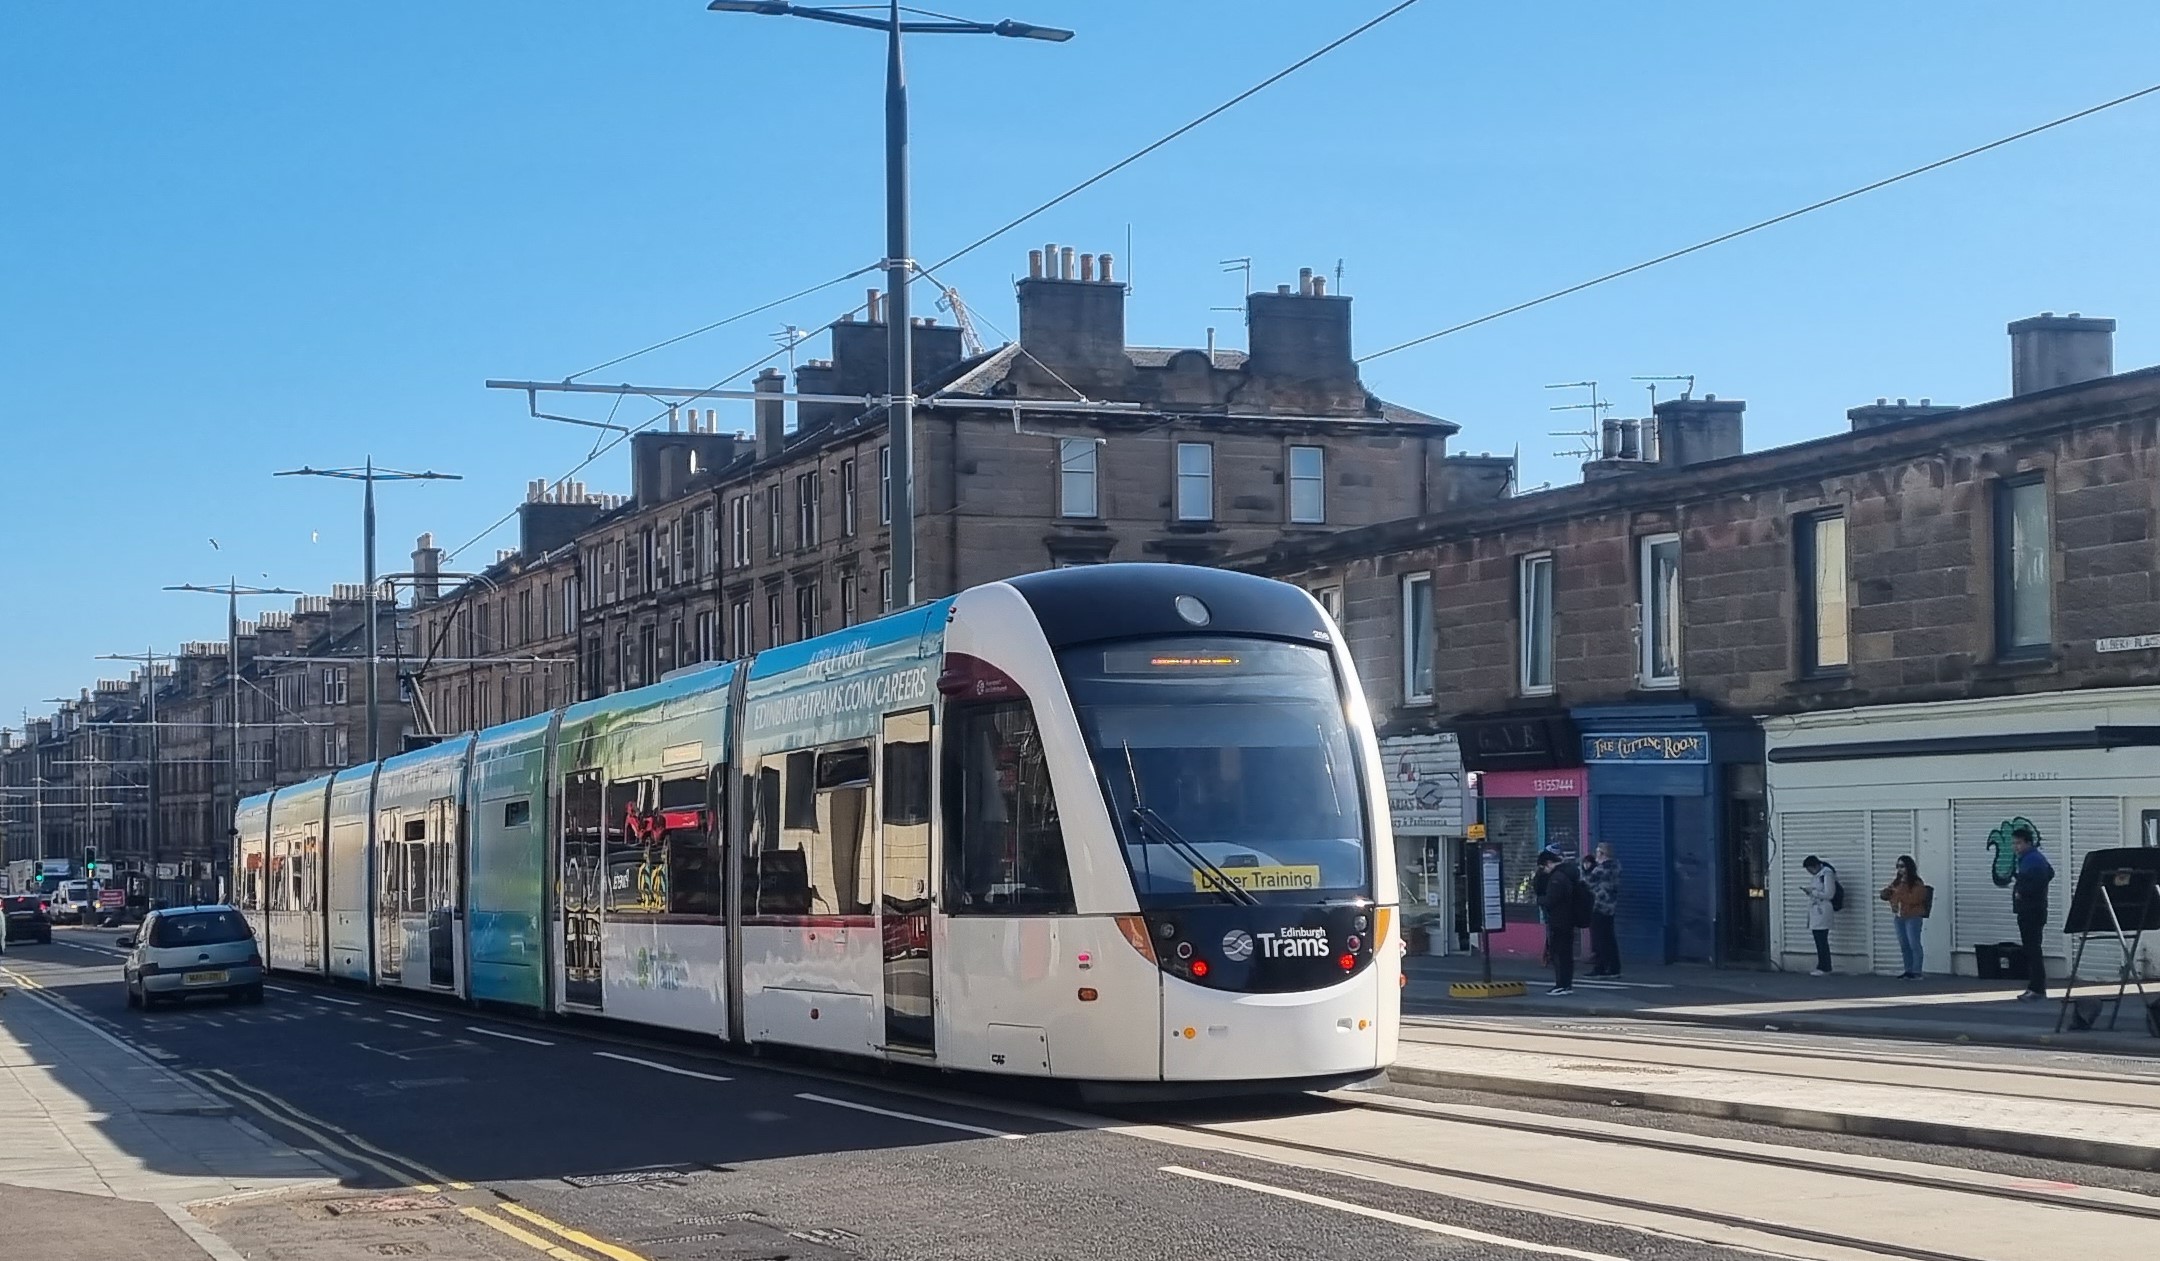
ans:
(1908, 898)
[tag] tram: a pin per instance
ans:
(1123, 824)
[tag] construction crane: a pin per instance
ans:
(949, 300)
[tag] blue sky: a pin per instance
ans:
(244, 236)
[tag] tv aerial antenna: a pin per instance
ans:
(1586, 445)
(1688, 377)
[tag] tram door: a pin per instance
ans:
(904, 900)
(443, 899)
(584, 884)
(389, 895)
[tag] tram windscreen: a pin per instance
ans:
(1225, 759)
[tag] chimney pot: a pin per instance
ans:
(1050, 260)
(1304, 281)
(1319, 286)
(1065, 263)
(871, 305)
(1282, 288)
(1901, 402)
(1035, 264)
(1087, 267)
(1106, 268)
(1882, 401)
(1927, 402)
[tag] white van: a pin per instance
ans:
(73, 902)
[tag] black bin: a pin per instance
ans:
(2003, 961)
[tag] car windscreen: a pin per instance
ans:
(198, 928)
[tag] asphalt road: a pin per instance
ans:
(666, 1153)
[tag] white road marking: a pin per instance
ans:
(514, 1037)
(325, 998)
(910, 1116)
(665, 1068)
(279, 988)
(1399, 1219)
(412, 1015)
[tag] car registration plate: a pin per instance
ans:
(204, 978)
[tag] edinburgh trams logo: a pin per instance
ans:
(1237, 945)
(1294, 943)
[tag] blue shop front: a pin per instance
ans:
(1678, 791)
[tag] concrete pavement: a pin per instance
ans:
(1938, 1008)
(88, 1120)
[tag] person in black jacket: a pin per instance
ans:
(1560, 893)
(2029, 900)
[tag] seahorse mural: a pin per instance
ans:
(1998, 841)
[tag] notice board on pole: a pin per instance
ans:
(1492, 908)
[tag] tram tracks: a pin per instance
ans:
(1668, 1217)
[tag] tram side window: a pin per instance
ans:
(1004, 851)
(801, 810)
(781, 875)
(696, 875)
(413, 891)
(840, 855)
(907, 783)
(629, 875)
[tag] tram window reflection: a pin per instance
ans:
(1005, 850)
(907, 783)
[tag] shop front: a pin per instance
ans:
(1425, 805)
(1531, 793)
(1945, 784)
(1675, 789)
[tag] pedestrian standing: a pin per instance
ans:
(1566, 903)
(2029, 900)
(1604, 878)
(1910, 901)
(1823, 895)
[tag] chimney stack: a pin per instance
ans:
(1698, 430)
(426, 563)
(2048, 351)
(1072, 326)
(1300, 349)
(771, 413)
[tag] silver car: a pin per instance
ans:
(192, 950)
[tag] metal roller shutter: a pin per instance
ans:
(2095, 823)
(1980, 865)
(1890, 833)
(1635, 828)
(1838, 837)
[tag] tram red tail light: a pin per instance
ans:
(1348, 962)
(1134, 929)
(1199, 967)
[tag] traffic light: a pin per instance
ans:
(90, 868)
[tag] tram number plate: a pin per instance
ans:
(1260, 879)
(203, 978)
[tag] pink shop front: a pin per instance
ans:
(1525, 808)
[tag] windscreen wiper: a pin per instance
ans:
(1186, 850)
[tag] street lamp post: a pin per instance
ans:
(899, 266)
(370, 475)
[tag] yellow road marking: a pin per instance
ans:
(400, 1176)
(522, 1235)
(577, 1237)
(411, 1165)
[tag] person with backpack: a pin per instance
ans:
(1567, 905)
(1825, 899)
(1910, 901)
(2029, 882)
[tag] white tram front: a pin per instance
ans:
(1121, 824)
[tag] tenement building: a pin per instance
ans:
(1902, 639)
(1065, 447)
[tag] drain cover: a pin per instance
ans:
(389, 1204)
(629, 1177)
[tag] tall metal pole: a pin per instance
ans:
(368, 529)
(150, 820)
(899, 267)
(232, 674)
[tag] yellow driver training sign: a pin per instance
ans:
(1260, 879)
